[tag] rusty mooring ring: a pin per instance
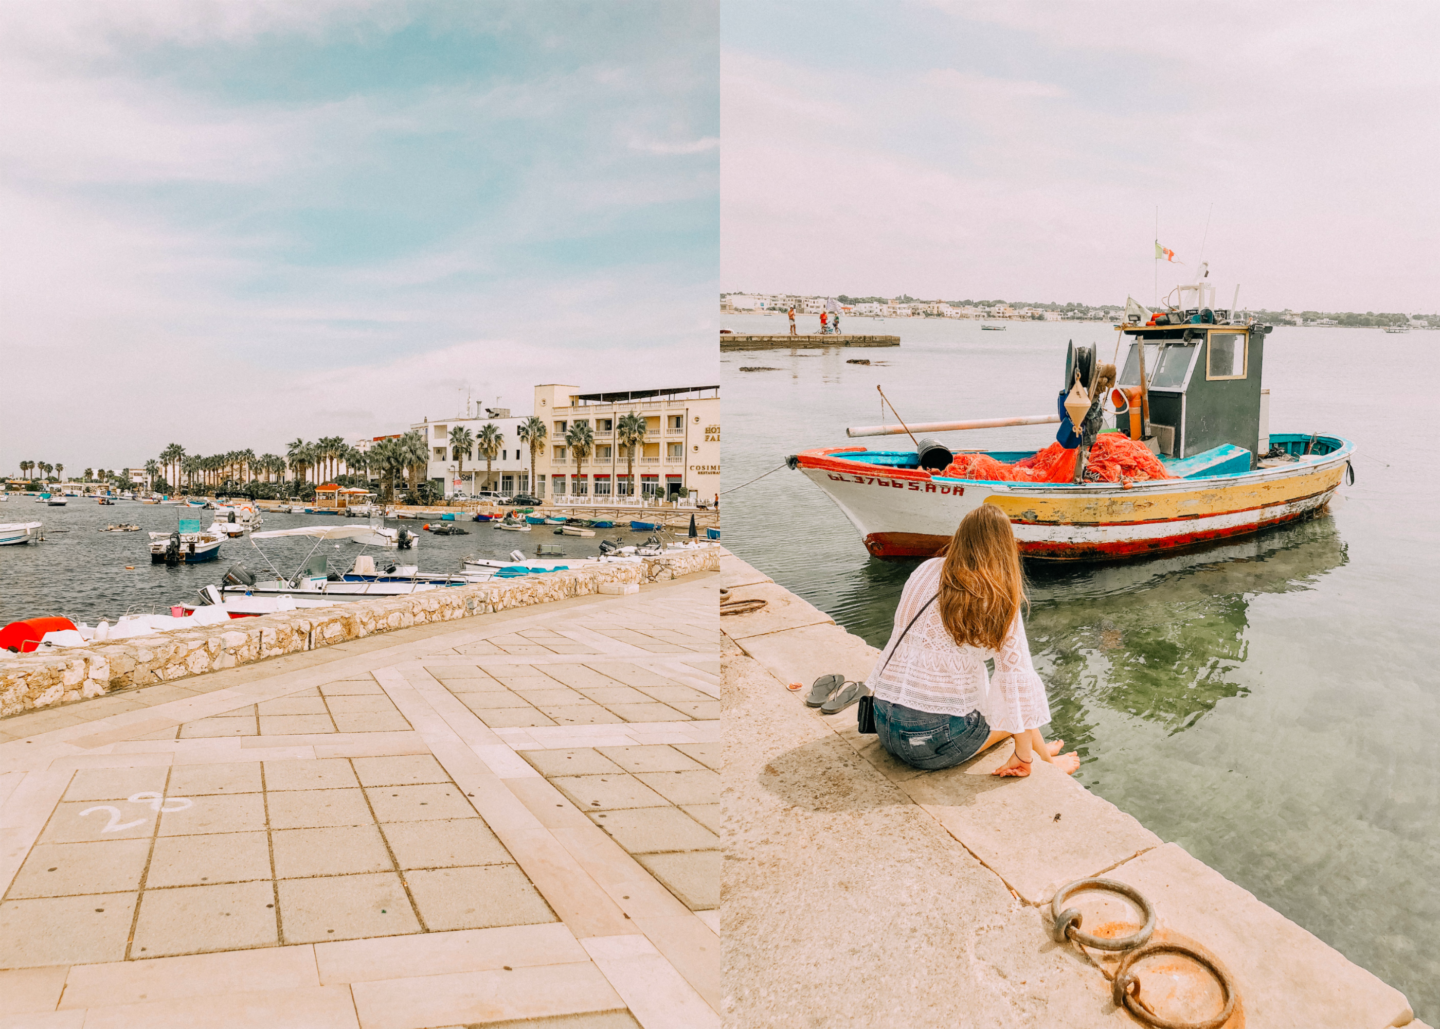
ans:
(1067, 923)
(1126, 987)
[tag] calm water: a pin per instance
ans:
(1271, 705)
(81, 573)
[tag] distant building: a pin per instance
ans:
(509, 469)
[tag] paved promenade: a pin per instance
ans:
(862, 892)
(506, 820)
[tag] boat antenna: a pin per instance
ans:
(1206, 234)
(896, 413)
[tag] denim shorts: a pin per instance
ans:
(929, 741)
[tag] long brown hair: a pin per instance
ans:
(981, 583)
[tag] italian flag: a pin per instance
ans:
(1161, 253)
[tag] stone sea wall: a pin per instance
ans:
(60, 676)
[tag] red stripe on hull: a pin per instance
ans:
(897, 545)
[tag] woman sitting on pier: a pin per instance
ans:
(934, 704)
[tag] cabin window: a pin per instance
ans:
(1170, 370)
(1131, 375)
(1227, 355)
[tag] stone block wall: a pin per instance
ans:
(60, 676)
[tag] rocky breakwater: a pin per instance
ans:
(51, 677)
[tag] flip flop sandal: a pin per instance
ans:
(851, 694)
(824, 687)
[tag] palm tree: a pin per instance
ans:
(461, 440)
(417, 457)
(60, 472)
(488, 444)
(532, 432)
(388, 457)
(25, 467)
(292, 451)
(630, 433)
(47, 469)
(581, 441)
(89, 474)
(152, 469)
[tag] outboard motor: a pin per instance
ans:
(517, 555)
(405, 540)
(934, 455)
(172, 550)
(238, 575)
(232, 517)
(608, 547)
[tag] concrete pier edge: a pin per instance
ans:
(743, 341)
(31, 682)
(1029, 837)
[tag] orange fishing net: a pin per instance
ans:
(1113, 457)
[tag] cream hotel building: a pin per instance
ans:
(681, 446)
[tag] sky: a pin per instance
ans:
(1021, 150)
(231, 224)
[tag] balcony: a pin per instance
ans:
(648, 460)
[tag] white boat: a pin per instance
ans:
(577, 530)
(509, 526)
(13, 533)
(378, 534)
(991, 327)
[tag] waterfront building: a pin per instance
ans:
(681, 447)
(509, 469)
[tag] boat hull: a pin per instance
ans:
(908, 513)
(204, 551)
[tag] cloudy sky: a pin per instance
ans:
(1019, 150)
(231, 224)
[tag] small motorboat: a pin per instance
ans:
(184, 546)
(511, 525)
(549, 550)
(536, 520)
(576, 530)
(105, 502)
(448, 529)
(644, 526)
(14, 533)
(554, 521)
(601, 523)
(712, 534)
(121, 528)
(56, 500)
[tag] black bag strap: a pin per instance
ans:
(906, 630)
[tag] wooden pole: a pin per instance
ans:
(974, 423)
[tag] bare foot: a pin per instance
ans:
(1014, 767)
(1054, 746)
(1067, 763)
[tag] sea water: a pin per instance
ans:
(1272, 705)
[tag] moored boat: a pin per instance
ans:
(184, 546)
(16, 533)
(1191, 393)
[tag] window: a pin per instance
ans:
(560, 454)
(559, 482)
(604, 453)
(602, 487)
(507, 484)
(439, 453)
(604, 425)
(439, 432)
(1227, 355)
(675, 422)
(1131, 375)
(1172, 367)
(675, 452)
(560, 428)
(580, 488)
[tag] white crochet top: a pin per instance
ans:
(929, 672)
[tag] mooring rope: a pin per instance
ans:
(757, 478)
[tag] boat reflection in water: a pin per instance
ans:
(1157, 638)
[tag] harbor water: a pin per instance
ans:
(1272, 705)
(82, 573)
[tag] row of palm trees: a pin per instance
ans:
(406, 455)
(44, 468)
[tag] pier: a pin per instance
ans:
(861, 891)
(509, 816)
(729, 341)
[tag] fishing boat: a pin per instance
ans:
(1189, 391)
(576, 530)
(550, 520)
(991, 327)
(198, 504)
(534, 520)
(511, 524)
(15, 533)
(644, 526)
(381, 535)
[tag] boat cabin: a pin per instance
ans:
(1203, 381)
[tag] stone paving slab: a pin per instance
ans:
(368, 808)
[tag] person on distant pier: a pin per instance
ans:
(792, 321)
(935, 706)
(835, 322)
(824, 323)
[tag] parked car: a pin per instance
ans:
(526, 500)
(494, 496)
